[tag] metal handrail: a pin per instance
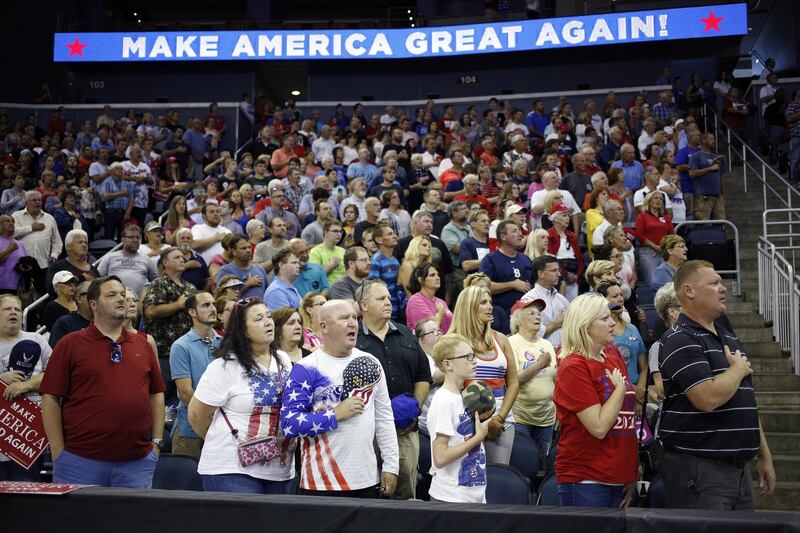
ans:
(737, 284)
(748, 154)
(779, 299)
(43, 299)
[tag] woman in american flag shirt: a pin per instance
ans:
(242, 391)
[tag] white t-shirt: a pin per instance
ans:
(463, 480)
(567, 199)
(44, 356)
(422, 421)
(204, 231)
(252, 404)
(638, 198)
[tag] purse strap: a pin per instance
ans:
(234, 432)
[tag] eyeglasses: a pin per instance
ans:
(116, 352)
(437, 332)
(469, 357)
(206, 341)
(244, 302)
(680, 245)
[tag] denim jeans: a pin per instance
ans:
(590, 495)
(136, 474)
(794, 159)
(541, 435)
(242, 483)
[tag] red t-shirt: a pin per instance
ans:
(581, 383)
(480, 199)
(105, 411)
(653, 228)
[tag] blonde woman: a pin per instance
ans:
(248, 199)
(478, 279)
(256, 231)
(309, 312)
(495, 365)
(597, 461)
(133, 312)
(418, 252)
(537, 244)
(550, 199)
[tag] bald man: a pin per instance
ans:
(336, 420)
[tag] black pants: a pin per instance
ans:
(170, 389)
(140, 214)
(112, 227)
(692, 482)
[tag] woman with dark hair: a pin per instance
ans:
(289, 333)
(397, 217)
(423, 303)
(238, 400)
(177, 218)
(224, 305)
(68, 216)
(238, 212)
(349, 221)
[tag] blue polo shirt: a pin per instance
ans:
(312, 278)
(281, 294)
(682, 158)
(188, 358)
(242, 274)
(633, 174)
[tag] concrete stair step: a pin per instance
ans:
(771, 365)
(787, 468)
(783, 443)
(778, 400)
(751, 335)
(738, 306)
(773, 382)
(746, 319)
(763, 349)
(780, 420)
(785, 498)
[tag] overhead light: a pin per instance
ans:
(295, 93)
(412, 25)
(135, 14)
(409, 11)
(410, 18)
(139, 21)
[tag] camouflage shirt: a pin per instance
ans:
(166, 330)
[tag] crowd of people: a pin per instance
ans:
(315, 304)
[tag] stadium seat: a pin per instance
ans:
(177, 472)
(548, 490)
(710, 243)
(100, 247)
(506, 485)
(525, 456)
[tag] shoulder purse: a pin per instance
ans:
(260, 450)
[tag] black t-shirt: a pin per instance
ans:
(690, 355)
(402, 358)
(52, 312)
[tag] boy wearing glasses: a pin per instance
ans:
(458, 457)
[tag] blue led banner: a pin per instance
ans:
(512, 36)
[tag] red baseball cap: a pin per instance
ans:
(558, 207)
(525, 302)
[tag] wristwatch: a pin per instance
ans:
(158, 442)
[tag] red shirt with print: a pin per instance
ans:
(580, 384)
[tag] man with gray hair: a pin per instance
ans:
(323, 145)
(470, 192)
(610, 151)
(613, 215)
(38, 231)
(578, 182)
(632, 170)
(363, 168)
(457, 229)
(78, 261)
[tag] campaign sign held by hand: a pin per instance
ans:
(22, 436)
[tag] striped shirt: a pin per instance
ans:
(386, 269)
(690, 355)
(110, 185)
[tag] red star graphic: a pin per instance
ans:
(76, 48)
(712, 22)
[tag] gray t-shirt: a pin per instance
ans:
(313, 233)
(265, 251)
(134, 270)
(344, 289)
